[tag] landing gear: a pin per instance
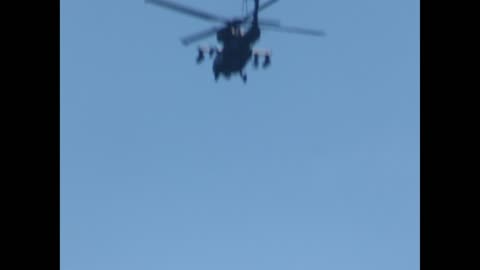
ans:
(216, 75)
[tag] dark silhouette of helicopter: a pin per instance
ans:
(237, 45)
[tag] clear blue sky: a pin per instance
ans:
(313, 164)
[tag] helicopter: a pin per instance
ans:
(237, 49)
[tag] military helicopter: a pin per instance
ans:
(237, 49)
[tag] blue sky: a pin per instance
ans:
(313, 164)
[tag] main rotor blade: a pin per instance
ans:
(295, 30)
(187, 10)
(201, 35)
(260, 8)
(269, 22)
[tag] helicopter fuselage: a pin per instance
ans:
(236, 52)
(232, 58)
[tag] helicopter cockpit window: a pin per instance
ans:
(236, 31)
